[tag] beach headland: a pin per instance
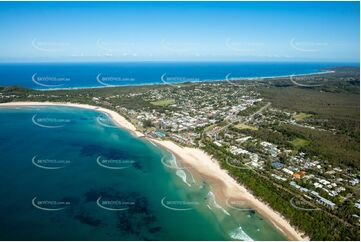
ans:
(223, 185)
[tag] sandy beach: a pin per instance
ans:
(224, 186)
(116, 117)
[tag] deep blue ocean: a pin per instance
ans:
(82, 75)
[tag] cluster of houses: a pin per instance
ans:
(181, 119)
(316, 195)
(253, 157)
(270, 148)
(331, 186)
(189, 113)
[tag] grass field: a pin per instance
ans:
(209, 128)
(163, 102)
(245, 126)
(299, 142)
(301, 116)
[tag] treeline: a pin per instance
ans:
(338, 149)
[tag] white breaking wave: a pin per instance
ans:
(239, 234)
(213, 203)
(183, 176)
(173, 161)
(154, 144)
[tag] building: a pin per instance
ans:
(296, 175)
(277, 165)
(285, 170)
(323, 200)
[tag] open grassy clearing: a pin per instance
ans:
(301, 116)
(163, 102)
(245, 126)
(299, 142)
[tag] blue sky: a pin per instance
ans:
(234, 31)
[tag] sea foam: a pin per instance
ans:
(212, 203)
(183, 176)
(239, 234)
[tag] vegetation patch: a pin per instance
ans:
(252, 109)
(338, 149)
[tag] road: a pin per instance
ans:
(240, 119)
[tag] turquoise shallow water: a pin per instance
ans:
(70, 174)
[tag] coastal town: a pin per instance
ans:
(224, 113)
(248, 132)
(180, 120)
(192, 113)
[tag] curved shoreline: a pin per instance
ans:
(200, 81)
(200, 162)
